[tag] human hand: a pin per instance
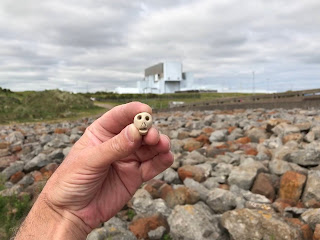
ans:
(105, 168)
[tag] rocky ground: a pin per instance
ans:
(242, 174)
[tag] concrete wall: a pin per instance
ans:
(172, 71)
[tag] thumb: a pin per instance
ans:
(117, 147)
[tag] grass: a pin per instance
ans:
(12, 211)
(131, 213)
(162, 101)
(43, 106)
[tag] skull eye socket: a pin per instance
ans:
(139, 117)
(147, 118)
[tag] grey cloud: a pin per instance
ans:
(80, 45)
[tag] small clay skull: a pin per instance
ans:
(143, 122)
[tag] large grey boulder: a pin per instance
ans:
(310, 157)
(12, 169)
(189, 222)
(144, 205)
(37, 162)
(311, 217)
(198, 187)
(220, 200)
(242, 176)
(244, 224)
(219, 135)
(311, 194)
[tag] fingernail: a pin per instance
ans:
(131, 133)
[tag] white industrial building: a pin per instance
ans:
(165, 77)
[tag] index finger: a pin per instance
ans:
(120, 116)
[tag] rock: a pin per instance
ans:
(244, 224)
(191, 144)
(12, 169)
(285, 129)
(37, 162)
(143, 204)
(5, 161)
(242, 176)
(186, 195)
(311, 194)
(257, 134)
(297, 137)
(171, 176)
(44, 139)
(211, 183)
(194, 158)
(220, 200)
(176, 145)
(263, 185)
(311, 217)
(279, 167)
(66, 151)
(248, 196)
(4, 152)
(191, 222)
(17, 177)
(153, 187)
(219, 136)
(57, 155)
(26, 181)
(305, 157)
(236, 134)
(188, 171)
(207, 168)
(15, 137)
(15, 190)
(140, 227)
(97, 234)
(316, 235)
(291, 186)
(157, 233)
(196, 186)
(116, 229)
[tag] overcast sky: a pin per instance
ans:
(81, 45)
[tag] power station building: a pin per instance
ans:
(165, 77)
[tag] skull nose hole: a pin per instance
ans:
(139, 117)
(147, 118)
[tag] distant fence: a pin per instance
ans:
(292, 99)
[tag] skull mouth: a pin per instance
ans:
(143, 129)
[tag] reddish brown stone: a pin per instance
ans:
(60, 130)
(5, 161)
(17, 177)
(230, 129)
(207, 130)
(141, 226)
(224, 186)
(291, 185)
(4, 152)
(186, 195)
(153, 187)
(251, 151)
(263, 185)
(203, 138)
(292, 137)
(182, 135)
(51, 167)
(4, 145)
(16, 148)
(316, 234)
(281, 204)
(304, 228)
(243, 140)
(192, 145)
(168, 194)
(37, 176)
(188, 171)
